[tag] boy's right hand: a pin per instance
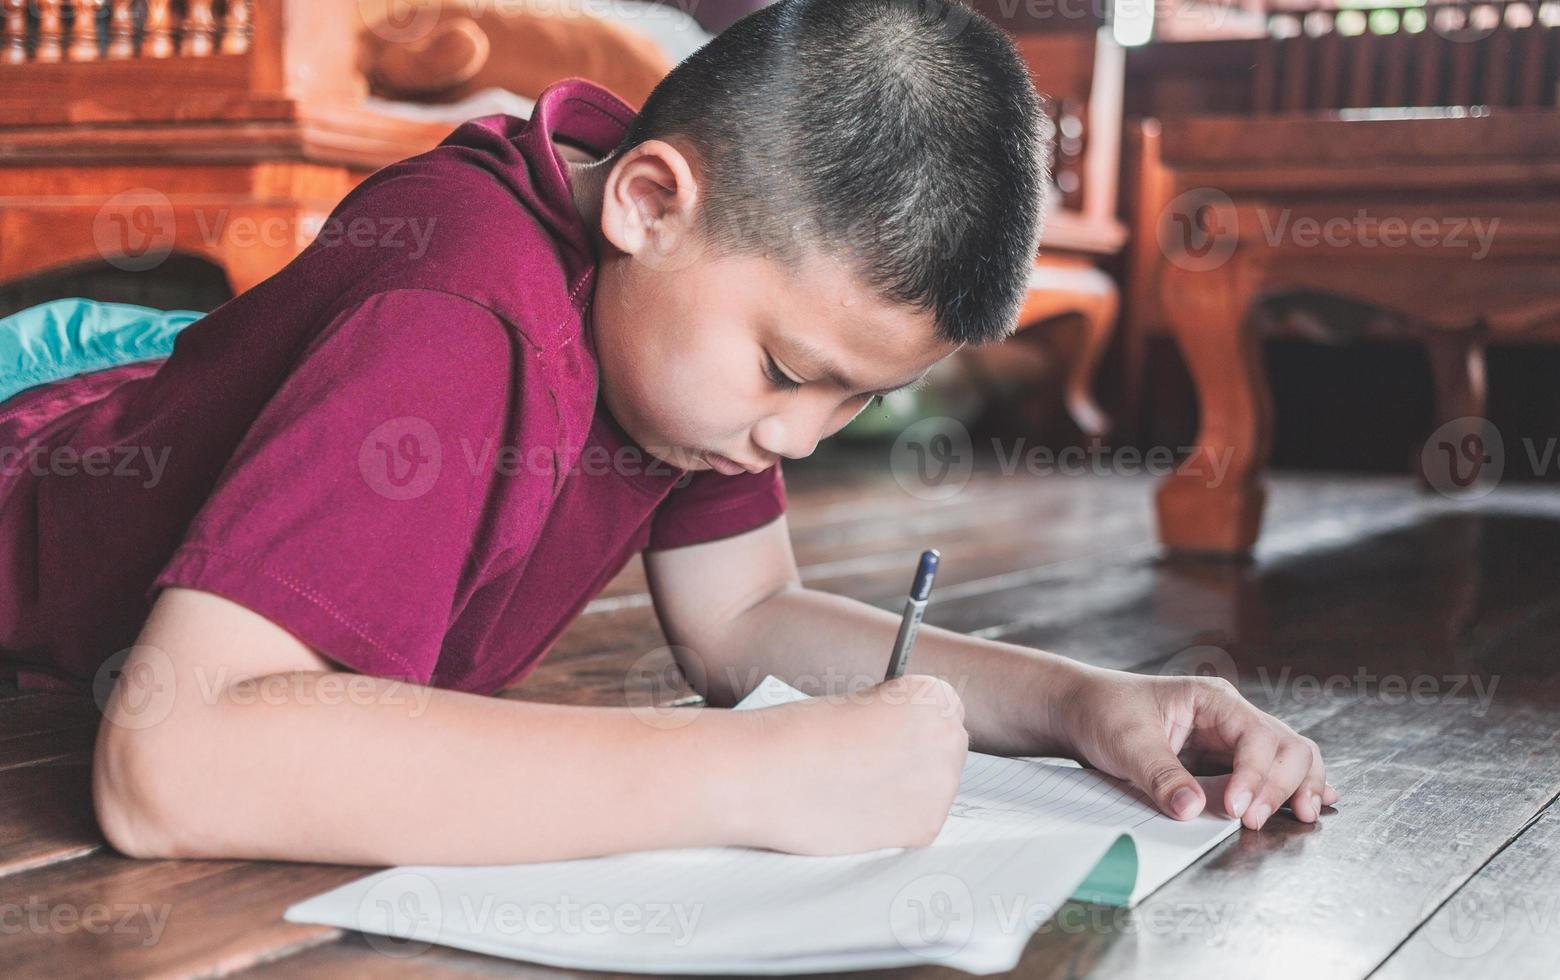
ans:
(875, 768)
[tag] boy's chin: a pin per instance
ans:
(677, 456)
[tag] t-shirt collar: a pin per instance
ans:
(581, 112)
(576, 111)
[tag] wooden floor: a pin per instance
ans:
(1413, 637)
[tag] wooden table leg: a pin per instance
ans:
(1213, 503)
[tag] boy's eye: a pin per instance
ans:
(785, 382)
(777, 377)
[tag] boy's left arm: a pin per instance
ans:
(736, 610)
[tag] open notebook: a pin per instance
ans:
(1022, 836)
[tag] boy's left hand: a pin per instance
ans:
(1135, 726)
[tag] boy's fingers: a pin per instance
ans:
(1291, 764)
(1329, 795)
(1254, 754)
(1157, 772)
(1307, 800)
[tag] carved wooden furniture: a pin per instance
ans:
(226, 130)
(1081, 75)
(1418, 173)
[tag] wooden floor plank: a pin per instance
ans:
(1336, 898)
(106, 915)
(1504, 921)
(45, 817)
(70, 745)
(1434, 784)
(881, 515)
(1352, 573)
(37, 713)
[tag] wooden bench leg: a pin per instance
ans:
(1213, 503)
(1057, 289)
(1099, 325)
(1457, 369)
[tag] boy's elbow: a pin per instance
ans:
(128, 795)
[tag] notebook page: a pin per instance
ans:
(1002, 797)
(1022, 837)
(719, 910)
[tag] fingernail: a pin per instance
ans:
(1242, 800)
(1259, 815)
(1182, 802)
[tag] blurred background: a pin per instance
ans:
(1344, 212)
(1312, 244)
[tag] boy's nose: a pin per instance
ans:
(791, 437)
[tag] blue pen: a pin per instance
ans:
(920, 589)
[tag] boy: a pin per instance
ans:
(381, 471)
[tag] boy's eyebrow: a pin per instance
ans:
(819, 361)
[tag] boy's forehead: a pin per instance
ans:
(831, 291)
(828, 317)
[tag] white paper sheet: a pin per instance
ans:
(1020, 838)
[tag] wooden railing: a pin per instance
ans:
(1079, 75)
(1317, 58)
(75, 61)
(1493, 53)
(46, 31)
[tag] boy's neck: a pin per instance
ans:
(585, 179)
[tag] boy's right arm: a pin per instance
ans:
(227, 737)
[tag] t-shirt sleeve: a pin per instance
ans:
(349, 511)
(712, 506)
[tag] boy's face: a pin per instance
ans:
(698, 351)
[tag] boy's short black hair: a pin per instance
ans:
(904, 134)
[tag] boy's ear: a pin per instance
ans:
(648, 202)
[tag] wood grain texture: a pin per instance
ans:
(1357, 580)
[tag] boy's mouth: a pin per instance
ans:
(724, 464)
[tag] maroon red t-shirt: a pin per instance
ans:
(393, 447)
